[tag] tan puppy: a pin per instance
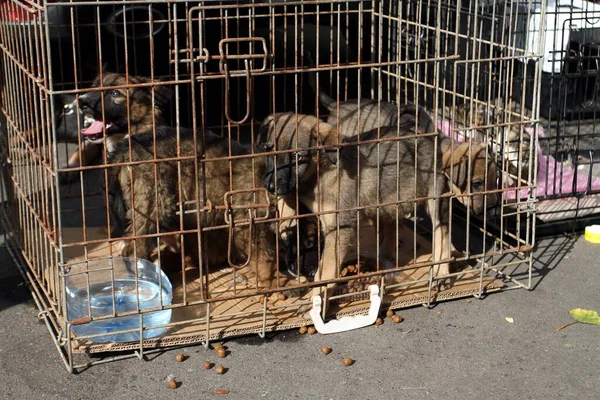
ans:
(512, 140)
(369, 174)
(471, 169)
(357, 116)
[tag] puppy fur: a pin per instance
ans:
(471, 169)
(144, 205)
(514, 144)
(376, 174)
(354, 116)
(119, 112)
(144, 195)
(357, 116)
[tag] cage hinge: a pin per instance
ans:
(190, 56)
(193, 206)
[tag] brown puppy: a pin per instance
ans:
(122, 109)
(145, 205)
(369, 174)
(147, 196)
(472, 170)
(357, 116)
(512, 140)
(354, 116)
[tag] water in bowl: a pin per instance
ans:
(126, 296)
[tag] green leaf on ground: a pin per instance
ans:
(586, 316)
(568, 345)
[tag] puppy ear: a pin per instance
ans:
(162, 95)
(328, 136)
(267, 121)
(262, 134)
(455, 165)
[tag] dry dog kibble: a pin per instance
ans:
(179, 357)
(397, 319)
(172, 384)
(311, 330)
(390, 313)
(379, 321)
(325, 350)
(221, 353)
(302, 330)
(281, 297)
(207, 365)
(220, 370)
(217, 346)
(347, 361)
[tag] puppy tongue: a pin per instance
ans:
(96, 128)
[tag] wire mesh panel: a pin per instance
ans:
(186, 171)
(567, 180)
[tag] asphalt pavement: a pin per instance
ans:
(462, 349)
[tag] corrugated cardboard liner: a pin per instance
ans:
(248, 315)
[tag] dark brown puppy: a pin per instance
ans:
(122, 109)
(148, 204)
(370, 174)
(145, 196)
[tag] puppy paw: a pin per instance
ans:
(295, 293)
(443, 284)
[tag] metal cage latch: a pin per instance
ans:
(252, 214)
(249, 59)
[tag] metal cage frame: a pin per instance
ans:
(229, 65)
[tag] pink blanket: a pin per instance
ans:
(549, 172)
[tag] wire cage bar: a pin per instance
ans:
(567, 183)
(181, 172)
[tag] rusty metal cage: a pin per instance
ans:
(568, 183)
(173, 166)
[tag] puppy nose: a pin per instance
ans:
(309, 242)
(84, 102)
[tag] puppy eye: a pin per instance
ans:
(296, 156)
(268, 147)
(115, 93)
(68, 109)
(477, 185)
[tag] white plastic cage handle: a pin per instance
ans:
(346, 323)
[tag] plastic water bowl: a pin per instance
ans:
(103, 287)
